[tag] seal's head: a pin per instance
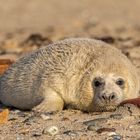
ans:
(108, 91)
(110, 80)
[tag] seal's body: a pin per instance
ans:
(78, 73)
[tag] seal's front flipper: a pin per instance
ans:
(51, 103)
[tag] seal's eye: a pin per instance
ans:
(120, 82)
(98, 82)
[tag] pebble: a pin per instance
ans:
(45, 117)
(23, 114)
(107, 39)
(111, 133)
(16, 111)
(116, 116)
(95, 121)
(65, 119)
(101, 130)
(116, 137)
(70, 133)
(14, 114)
(36, 133)
(92, 128)
(52, 130)
(29, 120)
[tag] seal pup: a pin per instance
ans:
(77, 73)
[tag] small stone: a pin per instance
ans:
(53, 130)
(116, 116)
(92, 128)
(101, 130)
(16, 111)
(22, 114)
(29, 120)
(45, 117)
(70, 133)
(107, 39)
(36, 134)
(116, 137)
(95, 121)
(65, 119)
(111, 133)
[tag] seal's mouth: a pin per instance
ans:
(100, 105)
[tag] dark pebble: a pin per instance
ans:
(107, 39)
(116, 116)
(101, 130)
(116, 137)
(95, 121)
(37, 39)
(29, 120)
(36, 134)
(70, 133)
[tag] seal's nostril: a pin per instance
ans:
(103, 97)
(112, 96)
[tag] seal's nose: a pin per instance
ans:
(108, 97)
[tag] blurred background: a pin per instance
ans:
(26, 25)
(37, 15)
